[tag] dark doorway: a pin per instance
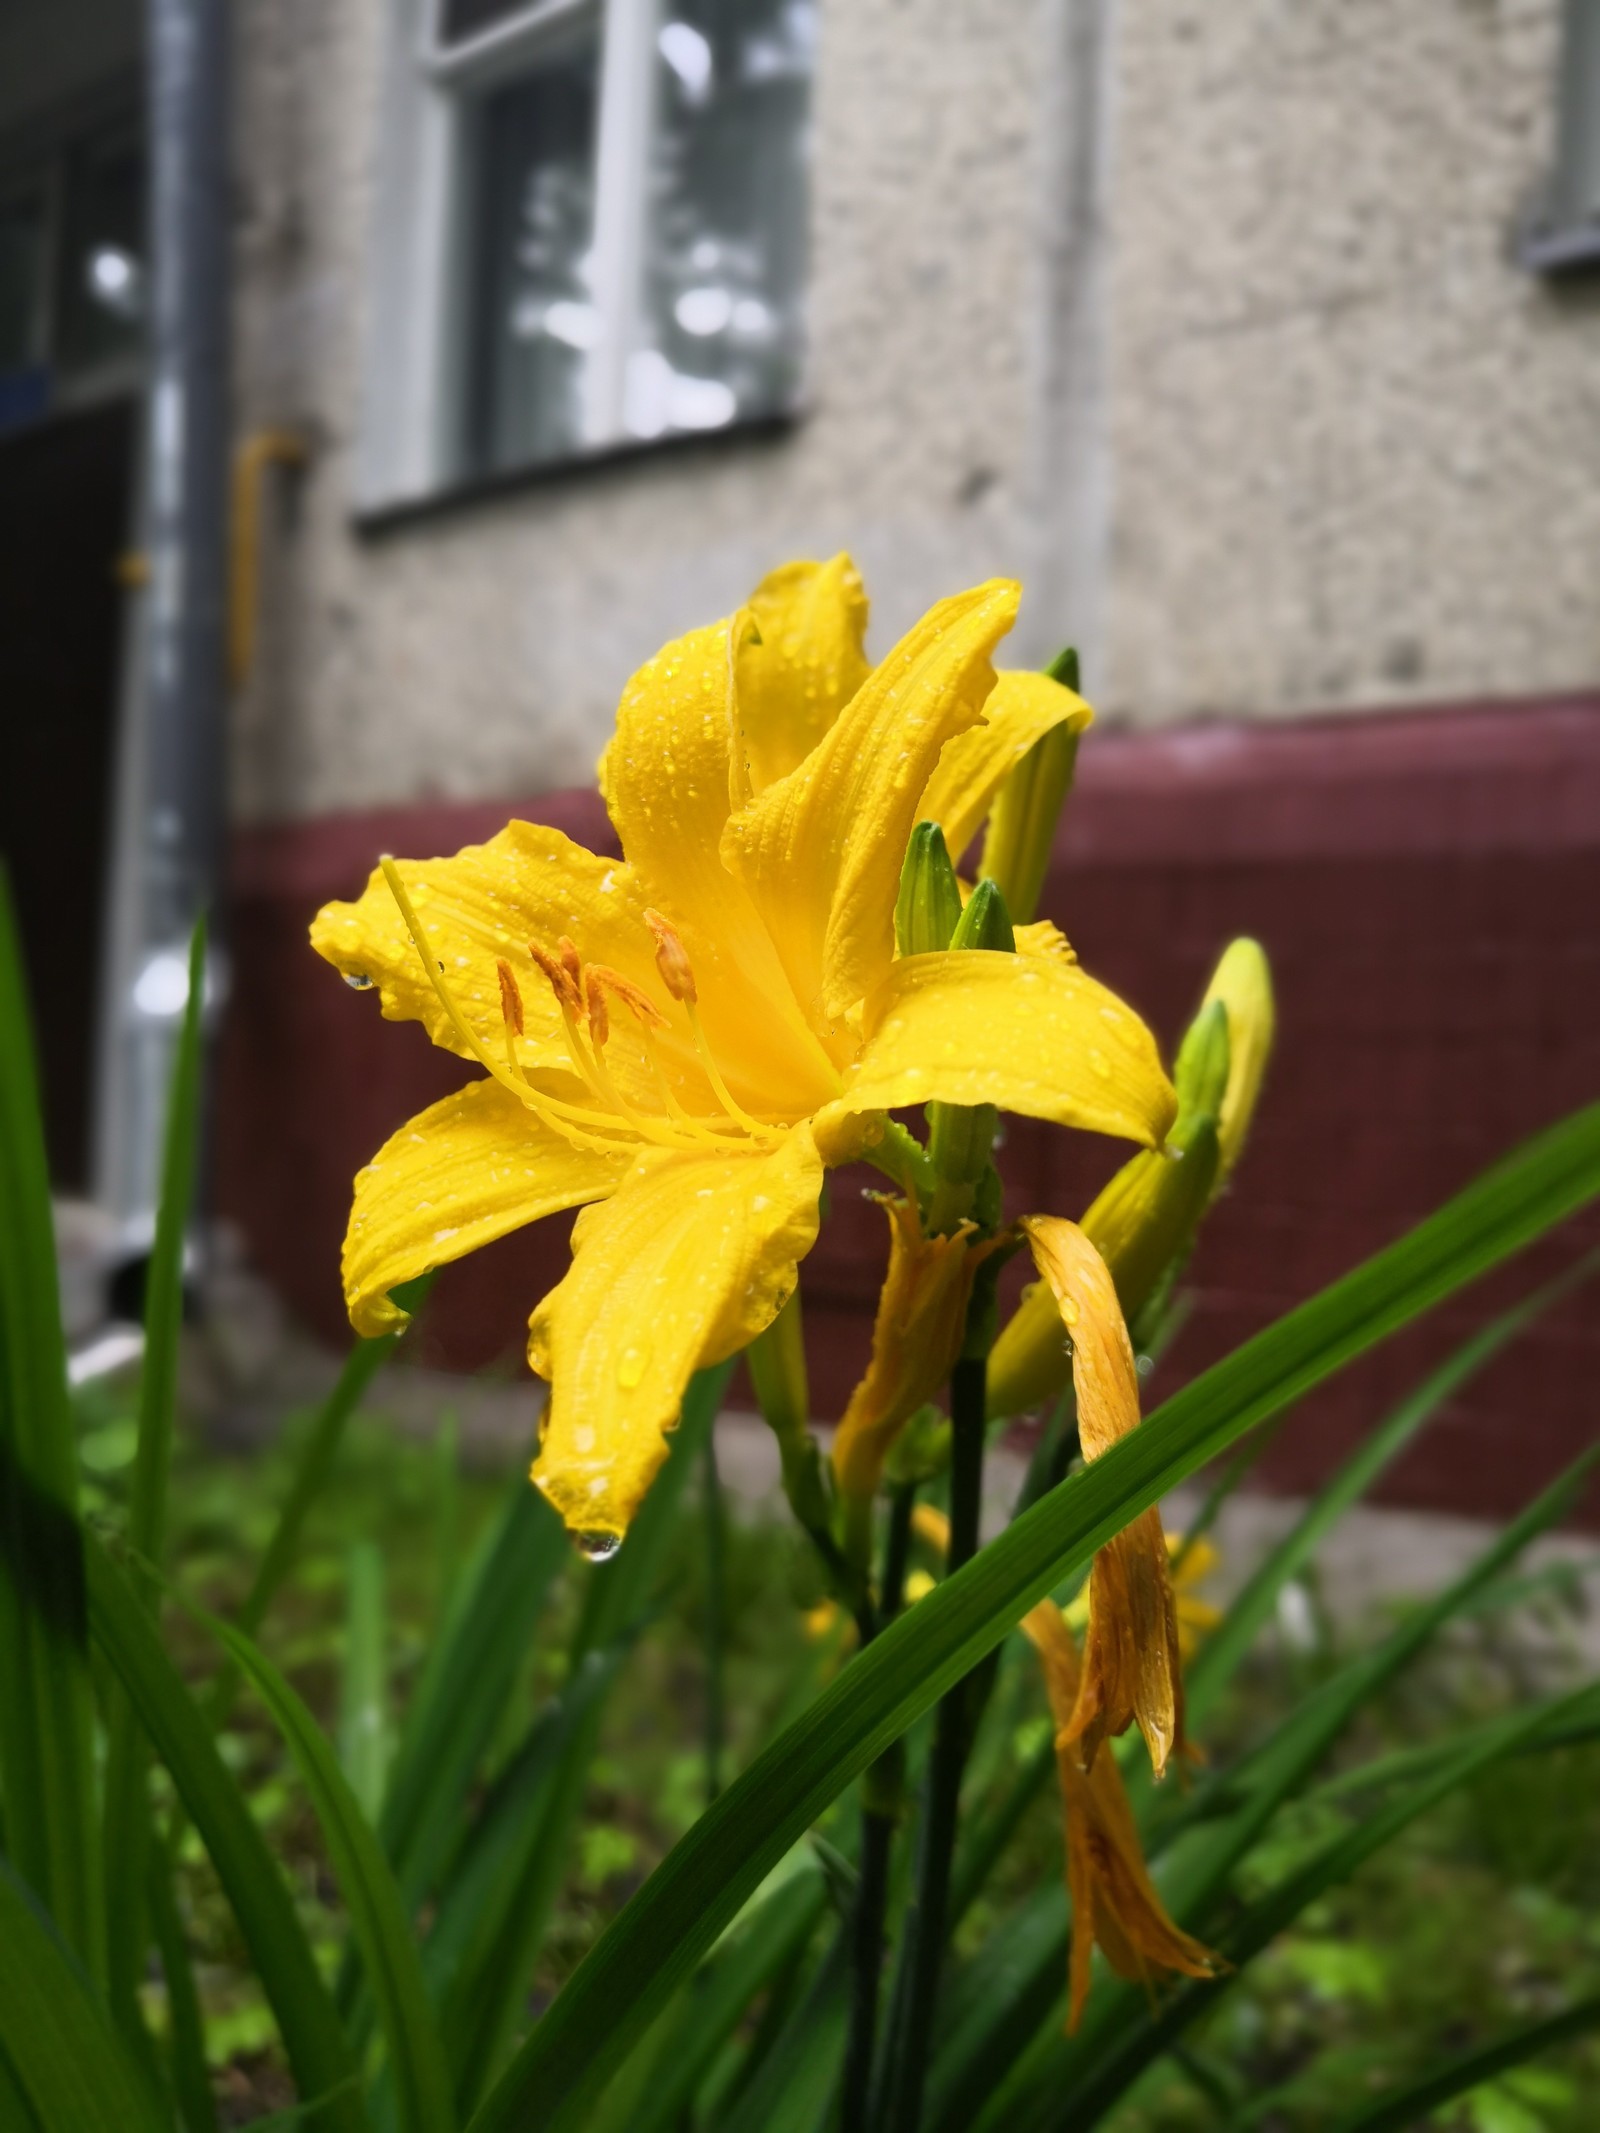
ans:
(65, 504)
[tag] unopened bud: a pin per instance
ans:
(1022, 821)
(1200, 1077)
(677, 973)
(1243, 983)
(986, 922)
(928, 908)
(776, 1360)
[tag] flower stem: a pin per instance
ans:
(880, 1804)
(917, 1986)
(716, 1551)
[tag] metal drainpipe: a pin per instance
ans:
(167, 865)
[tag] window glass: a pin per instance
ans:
(102, 288)
(537, 322)
(22, 293)
(725, 232)
(461, 19)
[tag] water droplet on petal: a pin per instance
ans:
(358, 981)
(1069, 1311)
(630, 1367)
(1101, 1065)
(597, 1547)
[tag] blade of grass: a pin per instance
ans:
(467, 1678)
(317, 1454)
(46, 1767)
(364, 1697)
(487, 2002)
(790, 2090)
(657, 2088)
(1516, 2047)
(312, 2037)
(1206, 1847)
(64, 2052)
(1265, 1918)
(126, 1823)
(191, 2080)
(679, 1911)
(377, 1915)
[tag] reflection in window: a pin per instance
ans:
(538, 323)
(103, 289)
(725, 236)
(703, 327)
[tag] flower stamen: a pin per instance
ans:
(547, 1108)
(677, 974)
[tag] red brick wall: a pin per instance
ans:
(1427, 885)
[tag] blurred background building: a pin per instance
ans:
(1261, 340)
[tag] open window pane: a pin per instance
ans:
(719, 334)
(537, 324)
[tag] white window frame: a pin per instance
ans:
(1563, 234)
(412, 442)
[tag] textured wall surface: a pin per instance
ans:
(1355, 448)
(483, 649)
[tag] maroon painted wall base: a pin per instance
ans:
(1427, 885)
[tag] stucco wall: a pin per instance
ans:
(1355, 449)
(484, 649)
(1340, 450)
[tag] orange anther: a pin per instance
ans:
(571, 959)
(676, 973)
(510, 997)
(594, 998)
(562, 982)
(632, 996)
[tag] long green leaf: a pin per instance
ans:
(465, 1683)
(318, 2053)
(46, 1771)
(1262, 1920)
(703, 1882)
(1207, 1850)
(1406, 2107)
(1251, 1607)
(491, 1989)
(364, 1682)
(56, 2035)
(127, 1807)
(191, 2081)
(394, 1969)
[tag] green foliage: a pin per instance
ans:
(509, 1906)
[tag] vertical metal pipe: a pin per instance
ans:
(169, 865)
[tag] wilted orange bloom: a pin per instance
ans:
(1131, 1670)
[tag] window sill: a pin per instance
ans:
(374, 521)
(1569, 250)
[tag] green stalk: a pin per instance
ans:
(917, 1988)
(880, 1812)
(716, 1574)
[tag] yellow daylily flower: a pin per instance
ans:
(1132, 1670)
(680, 1042)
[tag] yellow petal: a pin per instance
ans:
(1022, 708)
(797, 669)
(482, 906)
(1029, 1033)
(821, 850)
(665, 780)
(472, 1167)
(916, 1338)
(1131, 1663)
(690, 1258)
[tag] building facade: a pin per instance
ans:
(1261, 340)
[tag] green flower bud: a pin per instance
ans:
(1022, 821)
(961, 1136)
(1201, 1075)
(1242, 983)
(986, 922)
(928, 908)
